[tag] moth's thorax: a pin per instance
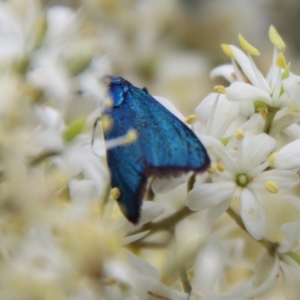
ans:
(117, 88)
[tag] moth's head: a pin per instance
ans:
(117, 89)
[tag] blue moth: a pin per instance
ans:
(165, 146)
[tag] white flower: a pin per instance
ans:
(16, 31)
(263, 89)
(288, 253)
(240, 175)
(140, 278)
(278, 89)
(210, 266)
(39, 257)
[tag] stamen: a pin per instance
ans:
(190, 119)
(107, 123)
(239, 134)
(221, 167)
(131, 136)
(271, 186)
(272, 158)
(212, 169)
(115, 193)
(281, 61)
(227, 50)
(293, 109)
(247, 46)
(108, 103)
(220, 89)
(276, 39)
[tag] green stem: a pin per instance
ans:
(166, 224)
(186, 285)
(171, 221)
(270, 117)
(41, 157)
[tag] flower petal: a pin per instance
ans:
(218, 152)
(204, 108)
(283, 178)
(253, 214)
(283, 122)
(291, 232)
(240, 91)
(288, 157)
(217, 210)
(295, 201)
(209, 194)
(291, 272)
(82, 190)
(261, 146)
(291, 86)
(164, 185)
(170, 106)
(208, 268)
(226, 70)
(266, 272)
(225, 113)
(245, 64)
(293, 131)
(151, 210)
(246, 108)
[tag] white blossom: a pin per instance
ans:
(243, 173)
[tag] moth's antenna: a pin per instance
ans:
(94, 130)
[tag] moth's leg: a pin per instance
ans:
(94, 131)
(149, 194)
(191, 182)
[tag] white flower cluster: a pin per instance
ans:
(62, 235)
(251, 132)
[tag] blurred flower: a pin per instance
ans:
(209, 268)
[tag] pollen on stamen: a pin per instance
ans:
(281, 61)
(115, 193)
(190, 119)
(107, 123)
(131, 136)
(227, 50)
(220, 89)
(272, 158)
(247, 46)
(212, 169)
(294, 109)
(239, 134)
(263, 112)
(221, 167)
(276, 39)
(108, 103)
(271, 186)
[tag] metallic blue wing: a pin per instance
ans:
(165, 146)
